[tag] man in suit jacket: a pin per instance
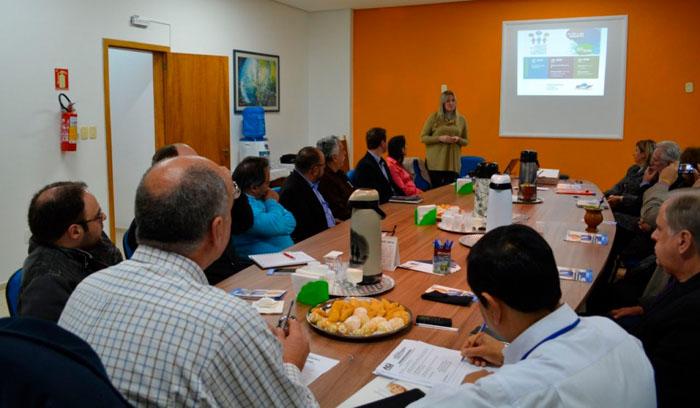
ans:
(670, 328)
(301, 197)
(372, 171)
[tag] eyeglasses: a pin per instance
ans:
(99, 217)
(236, 191)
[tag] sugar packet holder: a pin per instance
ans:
(575, 274)
(586, 237)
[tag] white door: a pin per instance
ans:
(133, 128)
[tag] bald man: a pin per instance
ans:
(228, 263)
(165, 336)
(67, 245)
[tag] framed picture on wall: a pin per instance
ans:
(256, 81)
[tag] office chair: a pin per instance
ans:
(14, 284)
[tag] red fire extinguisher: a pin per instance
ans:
(69, 125)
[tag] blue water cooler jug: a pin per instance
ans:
(254, 123)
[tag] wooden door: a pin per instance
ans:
(197, 104)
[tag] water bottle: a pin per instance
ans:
(527, 178)
(500, 208)
(366, 235)
(482, 178)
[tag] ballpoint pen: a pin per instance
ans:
(283, 322)
(288, 255)
(481, 330)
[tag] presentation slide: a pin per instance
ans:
(561, 61)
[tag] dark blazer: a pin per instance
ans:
(369, 175)
(336, 188)
(298, 197)
(670, 333)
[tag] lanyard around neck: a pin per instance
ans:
(553, 336)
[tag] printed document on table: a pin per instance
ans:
(379, 388)
(315, 366)
(424, 364)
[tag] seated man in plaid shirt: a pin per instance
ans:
(165, 336)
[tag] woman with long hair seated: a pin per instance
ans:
(272, 223)
(625, 196)
(402, 178)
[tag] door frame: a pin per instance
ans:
(159, 60)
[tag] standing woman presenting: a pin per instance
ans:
(444, 134)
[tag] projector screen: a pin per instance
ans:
(564, 77)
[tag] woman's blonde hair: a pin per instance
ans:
(441, 112)
(646, 146)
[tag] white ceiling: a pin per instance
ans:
(324, 5)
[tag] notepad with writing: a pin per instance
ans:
(278, 259)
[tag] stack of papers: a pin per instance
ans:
(548, 176)
(424, 364)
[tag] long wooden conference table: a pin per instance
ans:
(557, 214)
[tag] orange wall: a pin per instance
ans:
(401, 56)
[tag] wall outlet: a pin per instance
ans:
(84, 132)
(689, 87)
(93, 132)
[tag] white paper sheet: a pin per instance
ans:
(379, 388)
(424, 364)
(315, 366)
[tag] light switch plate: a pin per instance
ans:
(443, 88)
(84, 132)
(689, 87)
(93, 132)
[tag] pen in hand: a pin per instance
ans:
(283, 322)
(474, 338)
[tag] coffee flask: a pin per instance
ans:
(366, 235)
(500, 209)
(527, 178)
(482, 178)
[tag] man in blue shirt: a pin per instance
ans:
(554, 358)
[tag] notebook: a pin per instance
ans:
(286, 258)
(415, 199)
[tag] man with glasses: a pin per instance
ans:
(66, 246)
(300, 195)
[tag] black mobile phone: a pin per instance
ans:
(686, 168)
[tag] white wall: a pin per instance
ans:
(39, 35)
(330, 74)
(133, 126)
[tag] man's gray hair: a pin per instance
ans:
(670, 151)
(329, 146)
(179, 219)
(683, 213)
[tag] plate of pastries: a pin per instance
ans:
(359, 318)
